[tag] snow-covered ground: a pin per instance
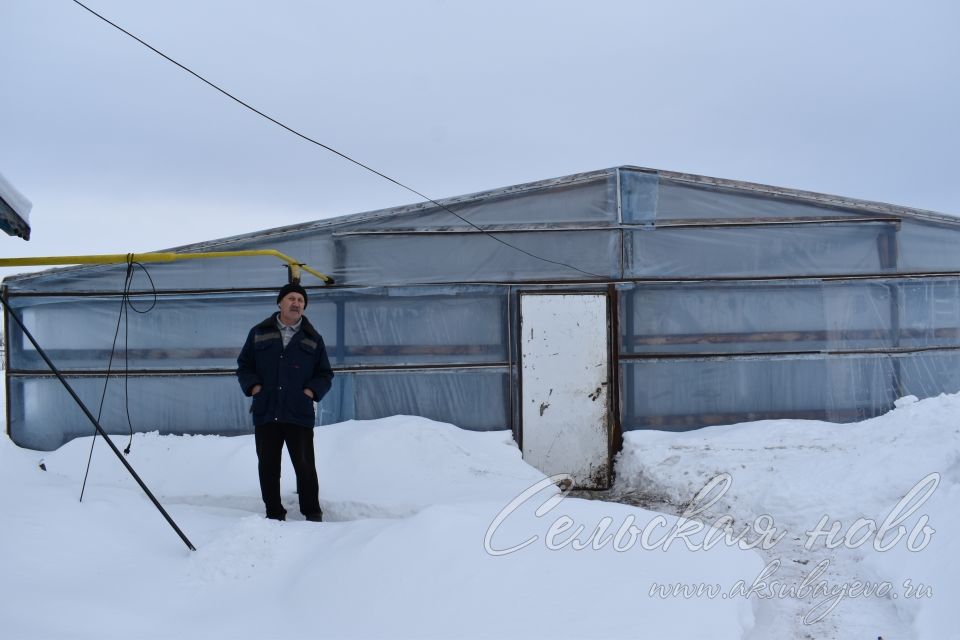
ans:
(409, 503)
(420, 516)
(806, 479)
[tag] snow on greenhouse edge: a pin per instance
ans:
(798, 472)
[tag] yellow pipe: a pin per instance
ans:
(122, 258)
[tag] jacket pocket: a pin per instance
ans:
(258, 404)
(304, 404)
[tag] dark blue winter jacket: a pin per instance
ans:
(284, 373)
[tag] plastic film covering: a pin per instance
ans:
(476, 399)
(927, 373)
(639, 192)
(447, 325)
(476, 257)
(788, 317)
(647, 197)
(590, 202)
(43, 416)
(929, 312)
(180, 332)
(928, 247)
(466, 325)
(784, 330)
(184, 335)
(681, 394)
(760, 251)
(359, 258)
(686, 201)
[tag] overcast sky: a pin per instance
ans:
(119, 150)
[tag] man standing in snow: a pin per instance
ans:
(284, 367)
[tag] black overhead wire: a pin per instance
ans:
(126, 336)
(329, 148)
(125, 303)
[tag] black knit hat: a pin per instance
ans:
(292, 288)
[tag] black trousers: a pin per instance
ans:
(270, 439)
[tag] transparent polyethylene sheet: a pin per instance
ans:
(44, 417)
(681, 201)
(476, 257)
(396, 258)
(475, 399)
(781, 250)
(431, 325)
(930, 312)
(180, 332)
(647, 198)
(591, 202)
(772, 317)
(370, 260)
(692, 393)
(928, 374)
(460, 327)
(678, 201)
(721, 391)
(928, 247)
(792, 250)
(396, 327)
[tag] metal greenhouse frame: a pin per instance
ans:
(725, 302)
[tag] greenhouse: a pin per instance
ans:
(568, 310)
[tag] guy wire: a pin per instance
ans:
(125, 301)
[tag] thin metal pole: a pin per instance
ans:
(97, 426)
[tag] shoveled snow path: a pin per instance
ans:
(799, 471)
(789, 618)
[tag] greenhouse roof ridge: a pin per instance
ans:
(753, 188)
(867, 206)
(719, 184)
(425, 205)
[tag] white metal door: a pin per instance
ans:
(565, 391)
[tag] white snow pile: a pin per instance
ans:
(420, 517)
(888, 489)
(845, 531)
